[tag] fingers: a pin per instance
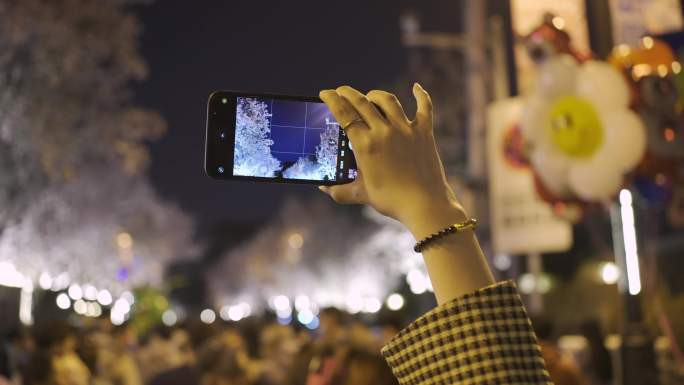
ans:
(343, 113)
(350, 193)
(363, 106)
(424, 110)
(389, 104)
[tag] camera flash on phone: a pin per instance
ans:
(224, 100)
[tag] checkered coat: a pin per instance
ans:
(484, 337)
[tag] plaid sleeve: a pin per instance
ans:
(483, 337)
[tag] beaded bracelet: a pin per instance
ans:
(453, 229)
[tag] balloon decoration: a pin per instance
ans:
(652, 72)
(583, 138)
(657, 86)
(592, 127)
(550, 39)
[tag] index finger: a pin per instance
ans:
(363, 106)
(344, 113)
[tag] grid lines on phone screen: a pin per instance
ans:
(284, 138)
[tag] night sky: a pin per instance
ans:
(193, 48)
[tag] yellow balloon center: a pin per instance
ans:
(574, 127)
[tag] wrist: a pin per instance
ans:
(432, 216)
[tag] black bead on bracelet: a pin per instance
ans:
(453, 229)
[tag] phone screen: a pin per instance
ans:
(289, 139)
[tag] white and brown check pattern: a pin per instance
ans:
(481, 338)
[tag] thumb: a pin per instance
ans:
(350, 193)
(424, 104)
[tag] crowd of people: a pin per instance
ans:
(343, 350)
(256, 351)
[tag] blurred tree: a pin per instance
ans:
(72, 145)
(321, 166)
(326, 151)
(65, 73)
(344, 258)
(305, 249)
(252, 140)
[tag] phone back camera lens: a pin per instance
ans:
(222, 135)
(220, 169)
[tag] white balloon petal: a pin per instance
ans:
(557, 76)
(594, 182)
(625, 140)
(532, 126)
(552, 169)
(603, 85)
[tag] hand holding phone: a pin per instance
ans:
(401, 174)
(275, 138)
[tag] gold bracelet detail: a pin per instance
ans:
(453, 229)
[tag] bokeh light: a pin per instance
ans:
(63, 301)
(169, 317)
(207, 316)
(395, 301)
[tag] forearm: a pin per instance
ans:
(455, 263)
(483, 337)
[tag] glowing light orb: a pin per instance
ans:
(609, 272)
(63, 301)
(169, 317)
(208, 316)
(395, 301)
(75, 292)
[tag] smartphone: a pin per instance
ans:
(275, 138)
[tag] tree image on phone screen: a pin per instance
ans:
(276, 138)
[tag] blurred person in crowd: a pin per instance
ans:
(302, 362)
(92, 350)
(278, 346)
(55, 361)
(562, 368)
(161, 352)
(350, 365)
(184, 368)
(390, 325)
(123, 368)
(253, 368)
(221, 362)
(360, 336)
(324, 363)
(39, 371)
(332, 326)
(251, 329)
(361, 367)
(151, 356)
(182, 346)
(317, 357)
(350, 360)
(15, 353)
(600, 364)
